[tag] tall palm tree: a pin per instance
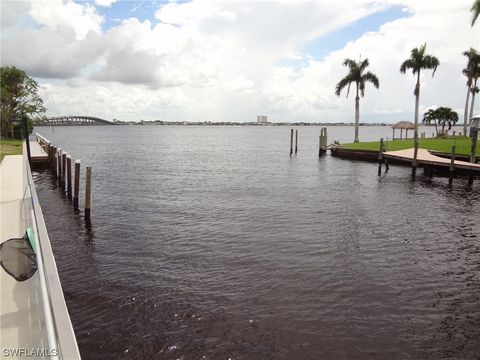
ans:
(356, 75)
(474, 88)
(419, 60)
(473, 61)
(475, 9)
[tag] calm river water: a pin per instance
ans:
(212, 243)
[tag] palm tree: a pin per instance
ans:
(474, 89)
(431, 117)
(473, 61)
(356, 75)
(446, 116)
(419, 60)
(475, 9)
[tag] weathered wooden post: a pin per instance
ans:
(76, 185)
(296, 141)
(380, 157)
(452, 166)
(291, 142)
(474, 135)
(48, 154)
(59, 163)
(322, 143)
(88, 192)
(55, 160)
(64, 170)
(69, 177)
(325, 140)
(414, 161)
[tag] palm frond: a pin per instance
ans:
(371, 77)
(346, 81)
(430, 62)
(407, 64)
(475, 11)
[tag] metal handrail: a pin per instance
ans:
(59, 328)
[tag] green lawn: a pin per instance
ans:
(10, 147)
(443, 145)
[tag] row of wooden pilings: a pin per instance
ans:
(61, 164)
(322, 141)
(451, 168)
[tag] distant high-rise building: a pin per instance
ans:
(262, 119)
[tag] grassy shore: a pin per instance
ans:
(10, 147)
(463, 144)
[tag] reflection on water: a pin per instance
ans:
(212, 242)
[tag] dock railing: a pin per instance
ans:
(58, 326)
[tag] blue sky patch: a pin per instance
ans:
(336, 40)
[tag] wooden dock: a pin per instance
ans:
(424, 157)
(37, 153)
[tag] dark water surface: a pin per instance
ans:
(212, 243)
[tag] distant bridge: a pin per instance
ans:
(73, 120)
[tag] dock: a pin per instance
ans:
(37, 153)
(424, 157)
(34, 318)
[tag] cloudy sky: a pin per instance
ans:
(208, 60)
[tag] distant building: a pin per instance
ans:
(262, 119)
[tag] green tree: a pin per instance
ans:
(356, 75)
(442, 116)
(431, 117)
(418, 61)
(446, 116)
(475, 9)
(19, 97)
(472, 63)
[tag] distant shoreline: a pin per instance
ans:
(187, 123)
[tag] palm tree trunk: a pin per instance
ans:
(474, 87)
(357, 116)
(465, 115)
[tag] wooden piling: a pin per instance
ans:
(59, 163)
(54, 159)
(473, 149)
(322, 141)
(296, 141)
(452, 166)
(64, 170)
(414, 161)
(325, 139)
(69, 177)
(49, 158)
(76, 185)
(88, 193)
(291, 142)
(380, 157)
(470, 178)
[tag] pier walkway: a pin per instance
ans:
(424, 157)
(34, 320)
(37, 153)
